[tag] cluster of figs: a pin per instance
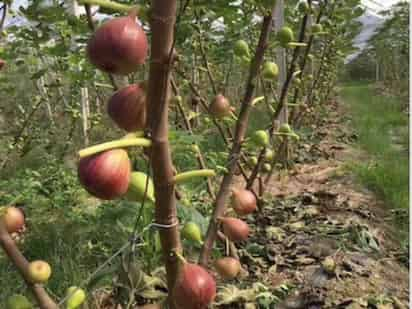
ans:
(195, 287)
(37, 271)
(119, 46)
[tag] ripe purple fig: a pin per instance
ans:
(119, 46)
(195, 288)
(220, 106)
(2, 63)
(13, 219)
(235, 229)
(106, 175)
(127, 108)
(243, 201)
(228, 267)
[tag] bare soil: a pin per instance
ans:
(324, 241)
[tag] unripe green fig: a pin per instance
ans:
(311, 57)
(191, 231)
(77, 297)
(297, 81)
(241, 49)
(270, 70)
(18, 301)
(310, 77)
(266, 167)
(285, 36)
(252, 161)
(316, 28)
(260, 138)
(303, 7)
(137, 187)
(177, 99)
(329, 265)
(39, 271)
(285, 128)
(269, 155)
(195, 148)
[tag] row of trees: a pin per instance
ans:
(214, 68)
(386, 57)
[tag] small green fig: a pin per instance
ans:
(191, 231)
(260, 138)
(177, 99)
(285, 36)
(266, 167)
(270, 70)
(18, 301)
(316, 28)
(252, 161)
(285, 128)
(269, 155)
(241, 49)
(311, 57)
(137, 186)
(77, 297)
(297, 81)
(195, 148)
(329, 265)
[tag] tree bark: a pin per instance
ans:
(241, 127)
(163, 16)
(14, 254)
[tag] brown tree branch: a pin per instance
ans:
(163, 18)
(188, 126)
(240, 132)
(20, 262)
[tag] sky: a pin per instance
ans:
(371, 21)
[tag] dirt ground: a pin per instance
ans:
(324, 241)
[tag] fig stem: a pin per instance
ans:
(257, 100)
(180, 257)
(233, 115)
(295, 44)
(115, 6)
(136, 134)
(126, 142)
(187, 176)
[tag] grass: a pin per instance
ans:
(383, 133)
